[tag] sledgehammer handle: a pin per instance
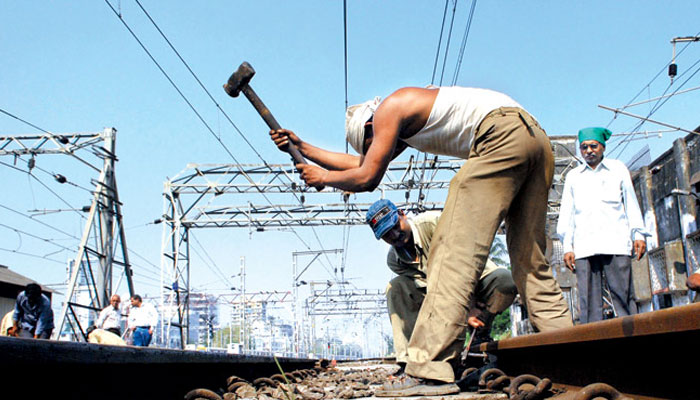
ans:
(271, 121)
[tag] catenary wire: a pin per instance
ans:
(195, 111)
(200, 83)
(661, 101)
(437, 52)
(464, 43)
(447, 46)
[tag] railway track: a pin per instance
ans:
(644, 357)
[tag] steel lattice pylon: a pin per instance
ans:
(103, 242)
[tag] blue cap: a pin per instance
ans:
(382, 216)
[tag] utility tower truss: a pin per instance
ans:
(275, 198)
(103, 242)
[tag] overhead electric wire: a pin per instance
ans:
(47, 132)
(133, 34)
(659, 97)
(437, 52)
(655, 107)
(213, 267)
(449, 38)
(24, 121)
(32, 255)
(40, 222)
(200, 83)
(64, 201)
(345, 47)
(464, 43)
(49, 241)
(662, 70)
(660, 102)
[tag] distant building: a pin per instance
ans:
(11, 283)
(204, 317)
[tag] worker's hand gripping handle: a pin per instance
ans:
(271, 122)
(239, 82)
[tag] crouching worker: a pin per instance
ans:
(408, 258)
(104, 336)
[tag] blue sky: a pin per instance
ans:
(73, 67)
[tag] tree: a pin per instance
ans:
(501, 323)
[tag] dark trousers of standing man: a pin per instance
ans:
(589, 277)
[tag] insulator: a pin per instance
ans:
(63, 139)
(672, 70)
(60, 178)
(31, 163)
(85, 209)
(302, 199)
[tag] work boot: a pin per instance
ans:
(413, 386)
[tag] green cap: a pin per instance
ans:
(598, 134)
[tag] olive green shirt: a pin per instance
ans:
(422, 226)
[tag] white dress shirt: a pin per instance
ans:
(143, 316)
(110, 317)
(599, 212)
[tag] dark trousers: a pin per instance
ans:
(29, 334)
(589, 276)
(115, 331)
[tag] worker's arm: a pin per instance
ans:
(403, 112)
(329, 160)
(101, 318)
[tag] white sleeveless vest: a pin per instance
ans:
(456, 114)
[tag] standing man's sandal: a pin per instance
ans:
(416, 387)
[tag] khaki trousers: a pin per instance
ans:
(494, 294)
(403, 299)
(506, 177)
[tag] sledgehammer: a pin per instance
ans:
(239, 82)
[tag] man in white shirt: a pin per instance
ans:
(111, 316)
(601, 227)
(142, 319)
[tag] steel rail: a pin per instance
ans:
(644, 356)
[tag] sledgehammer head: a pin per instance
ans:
(239, 79)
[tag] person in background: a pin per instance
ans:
(6, 324)
(103, 336)
(111, 316)
(410, 239)
(33, 316)
(601, 227)
(142, 319)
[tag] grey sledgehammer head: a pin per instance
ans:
(239, 79)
